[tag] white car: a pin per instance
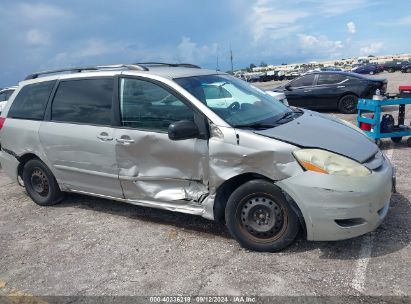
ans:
(5, 95)
(221, 95)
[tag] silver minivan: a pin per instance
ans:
(186, 139)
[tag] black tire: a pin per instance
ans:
(259, 217)
(409, 142)
(348, 104)
(378, 142)
(408, 70)
(41, 184)
(396, 139)
(371, 72)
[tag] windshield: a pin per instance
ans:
(235, 101)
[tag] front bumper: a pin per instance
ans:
(341, 207)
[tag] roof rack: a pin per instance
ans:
(88, 68)
(184, 65)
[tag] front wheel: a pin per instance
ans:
(348, 104)
(40, 183)
(259, 217)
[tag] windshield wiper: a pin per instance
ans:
(256, 125)
(286, 115)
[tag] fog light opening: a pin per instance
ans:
(350, 222)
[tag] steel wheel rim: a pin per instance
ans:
(262, 218)
(39, 182)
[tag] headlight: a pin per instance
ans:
(329, 163)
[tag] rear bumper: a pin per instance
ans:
(9, 164)
(340, 207)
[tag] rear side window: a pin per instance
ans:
(87, 101)
(330, 78)
(31, 101)
(304, 81)
(8, 94)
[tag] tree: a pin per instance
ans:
(263, 64)
(252, 66)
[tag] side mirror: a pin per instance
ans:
(183, 129)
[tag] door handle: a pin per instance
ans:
(125, 140)
(340, 87)
(306, 91)
(104, 136)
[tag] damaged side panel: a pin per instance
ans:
(234, 152)
(155, 168)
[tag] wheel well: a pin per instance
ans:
(227, 188)
(23, 160)
(347, 93)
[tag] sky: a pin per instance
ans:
(38, 35)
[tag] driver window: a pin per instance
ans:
(304, 81)
(147, 106)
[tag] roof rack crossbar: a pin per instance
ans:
(88, 68)
(185, 65)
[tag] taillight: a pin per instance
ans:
(2, 121)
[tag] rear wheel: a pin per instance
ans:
(378, 142)
(41, 184)
(396, 139)
(408, 70)
(348, 104)
(259, 217)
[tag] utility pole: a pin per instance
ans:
(216, 68)
(231, 59)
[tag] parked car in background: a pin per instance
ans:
(366, 69)
(330, 69)
(147, 135)
(5, 95)
(292, 75)
(331, 90)
(406, 68)
(279, 75)
(395, 65)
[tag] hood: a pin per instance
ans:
(279, 95)
(315, 130)
(279, 89)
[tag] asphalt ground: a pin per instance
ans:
(89, 246)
